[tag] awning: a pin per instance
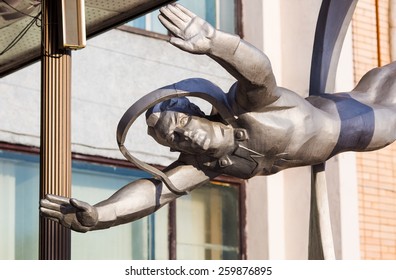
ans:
(20, 26)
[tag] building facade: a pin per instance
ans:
(261, 218)
(373, 26)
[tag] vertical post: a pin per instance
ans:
(378, 30)
(55, 153)
(172, 230)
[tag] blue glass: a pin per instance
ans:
(220, 14)
(19, 196)
(227, 16)
(138, 23)
(207, 219)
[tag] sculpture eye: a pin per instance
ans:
(184, 121)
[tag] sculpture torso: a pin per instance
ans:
(281, 137)
(272, 140)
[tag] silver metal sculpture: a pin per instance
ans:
(257, 128)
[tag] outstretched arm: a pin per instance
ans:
(250, 66)
(133, 201)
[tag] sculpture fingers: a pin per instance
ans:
(66, 215)
(180, 13)
(67, 221)
(58, 203)
(173, 18)
(51, 214)
(170, 26)
(55, 216)
(181, 44)
(57, 199)
(47, 204)
(81, 205)
(185, 11)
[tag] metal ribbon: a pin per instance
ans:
(192, 87)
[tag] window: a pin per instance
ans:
(219, 13)
(212, 215)
(207, 220)
(138, 240)
(19, 193)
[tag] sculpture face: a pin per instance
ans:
(192, 134)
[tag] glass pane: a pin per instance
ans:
(159, 235)
(19, 195)
(19, 217)
(205, 9)
(138, 23)
(208, 223)
(219, 13)
(156, 25)
(130, 241)
(226, 16)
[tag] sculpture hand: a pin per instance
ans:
(71, 213)
(192, 34)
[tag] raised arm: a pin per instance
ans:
(250, 66)
(133, 201)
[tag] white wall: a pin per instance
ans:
(112, 72)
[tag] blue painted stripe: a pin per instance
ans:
(357, 123)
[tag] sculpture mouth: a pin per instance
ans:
(198, 139)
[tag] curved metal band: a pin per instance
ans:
(333, 21)
(193, 87)
(334, 18)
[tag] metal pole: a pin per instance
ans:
(172, 231)
(55, 151)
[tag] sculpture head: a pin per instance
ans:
(182, 126)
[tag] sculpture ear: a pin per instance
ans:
(214, 111)
(152, 119)
(152, 133)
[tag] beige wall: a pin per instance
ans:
(376, 170)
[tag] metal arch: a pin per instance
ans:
(333, 21)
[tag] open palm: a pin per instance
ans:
(71, 213)
(192, 34)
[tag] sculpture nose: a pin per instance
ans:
(185, 135)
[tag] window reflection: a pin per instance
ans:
(219, 13)
(207, 218)
(208, 223)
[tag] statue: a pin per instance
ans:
(258, 127)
